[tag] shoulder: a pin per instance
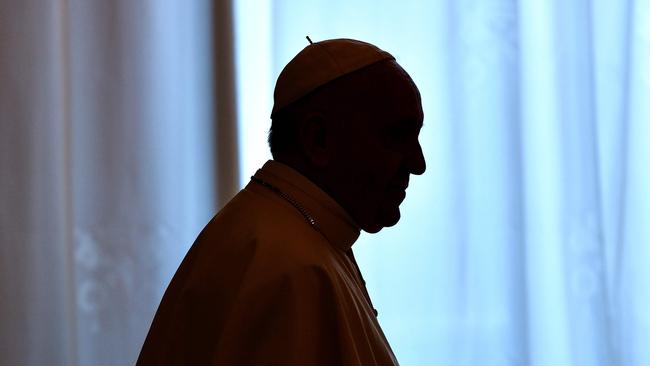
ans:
(256, 233)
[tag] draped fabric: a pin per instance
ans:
(525, 243)
(249, 294)
(106, 154)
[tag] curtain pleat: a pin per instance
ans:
(107, 158)
(125, 125)
(225, 101)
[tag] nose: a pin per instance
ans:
(416, 162)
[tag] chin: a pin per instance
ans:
(386, 220)
(372, 229)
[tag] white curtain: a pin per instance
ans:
(106, 161)
(526, 242)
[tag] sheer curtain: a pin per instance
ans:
(525, 242)
(106, 155)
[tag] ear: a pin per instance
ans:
(313, 136)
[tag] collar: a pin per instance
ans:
(334, 222)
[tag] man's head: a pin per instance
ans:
(355, 135)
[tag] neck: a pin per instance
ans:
(302, 166)
(316, 175)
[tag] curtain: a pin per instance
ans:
(108, 170)
(525, 242)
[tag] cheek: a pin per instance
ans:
(374, 166)
(365, 175)
(371, 178)
(367, 168)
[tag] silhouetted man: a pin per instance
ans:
(271, 280)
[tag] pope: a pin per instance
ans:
(271, 279)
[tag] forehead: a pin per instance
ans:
(389, 94)
(381, 93)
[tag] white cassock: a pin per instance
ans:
(263, 286)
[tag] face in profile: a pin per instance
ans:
(377, 146)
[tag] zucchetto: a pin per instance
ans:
(320, 63)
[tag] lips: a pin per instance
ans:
(397, 194)
(402, 184)
(402, 195)
(397, 190)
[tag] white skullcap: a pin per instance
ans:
(320, 63)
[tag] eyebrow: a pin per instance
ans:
(415, 122)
